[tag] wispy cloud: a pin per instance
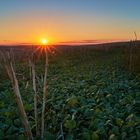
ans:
(92, 41)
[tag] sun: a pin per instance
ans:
(44, 41)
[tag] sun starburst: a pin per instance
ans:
(44, 41)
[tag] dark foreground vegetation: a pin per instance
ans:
(93, 93)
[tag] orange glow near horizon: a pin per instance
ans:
(69, 32)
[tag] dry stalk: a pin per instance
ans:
(44, 94)
(132, 45)
(12, 75)
(130, 57)
(35, 93)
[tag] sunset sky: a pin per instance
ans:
(27, 21)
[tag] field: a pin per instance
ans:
(93, 93)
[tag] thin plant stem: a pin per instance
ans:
(44, 94)
(35, 93)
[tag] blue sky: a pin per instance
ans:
(127, 8)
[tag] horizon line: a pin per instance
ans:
(81, 42)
